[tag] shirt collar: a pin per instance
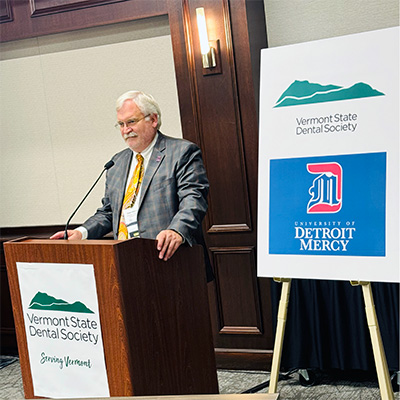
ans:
(146, 153)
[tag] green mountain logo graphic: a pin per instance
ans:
(42, 301)
(304, 92)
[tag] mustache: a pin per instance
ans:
(130, 135)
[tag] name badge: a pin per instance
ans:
(130, 216)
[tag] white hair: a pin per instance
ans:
(145, 103)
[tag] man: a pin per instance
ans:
(157, 188)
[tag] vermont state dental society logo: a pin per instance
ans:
(304, 92)
(42, 301)
(55, 319)
(329, 205)
(331, 122)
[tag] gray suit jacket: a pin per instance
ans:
(173, 195)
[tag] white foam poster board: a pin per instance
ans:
(63, 331)
(329, 159)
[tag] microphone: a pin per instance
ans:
(106, 167)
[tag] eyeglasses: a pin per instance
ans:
(130, 123)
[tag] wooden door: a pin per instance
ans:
(222, 118)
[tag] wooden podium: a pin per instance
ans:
(154, 314)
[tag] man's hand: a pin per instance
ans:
(168, 242)
(72, 235)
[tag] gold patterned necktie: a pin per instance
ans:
(131, 195)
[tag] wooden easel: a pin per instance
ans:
(385, 385)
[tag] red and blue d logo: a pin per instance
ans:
(326, 190)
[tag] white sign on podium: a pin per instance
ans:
(63, 332)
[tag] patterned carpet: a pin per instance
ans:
(325, 387)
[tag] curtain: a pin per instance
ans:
(327, 329)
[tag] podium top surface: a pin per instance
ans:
(88, 242)
(31, 240)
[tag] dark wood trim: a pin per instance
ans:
(25, 25)
(240, 330)
(180, 27)
(229, 228)
(245, 310)
(47, 7)
(246, 359)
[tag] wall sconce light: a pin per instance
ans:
(208, 51)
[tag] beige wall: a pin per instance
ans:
(57, 110)
(57, 97)
(296, 21)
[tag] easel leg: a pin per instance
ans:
(280, 332)
(385, 385)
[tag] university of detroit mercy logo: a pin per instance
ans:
(328, 205)
(326, 190)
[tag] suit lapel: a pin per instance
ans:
(155, 161)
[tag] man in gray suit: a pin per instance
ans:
(172, 197)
